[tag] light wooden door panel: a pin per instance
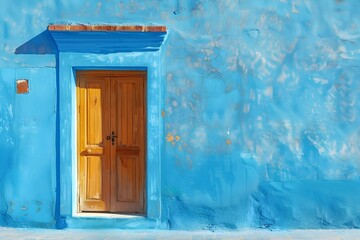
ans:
(93, 124)
(111, 167)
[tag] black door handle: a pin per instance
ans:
(113, 136)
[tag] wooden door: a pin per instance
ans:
(111, 141)
(127, 153)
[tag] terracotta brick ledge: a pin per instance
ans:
(107, 28)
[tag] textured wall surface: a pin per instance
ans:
(261, 110)
(27, 148)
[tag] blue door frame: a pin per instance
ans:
(66, 186)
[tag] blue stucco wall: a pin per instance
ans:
(27, 134)
(260, 110)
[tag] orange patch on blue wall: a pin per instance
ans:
(22, 86)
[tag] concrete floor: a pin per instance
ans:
(110, 234)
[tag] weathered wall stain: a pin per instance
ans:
(172, 139)
(260, 111)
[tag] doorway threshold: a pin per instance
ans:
(107, 215)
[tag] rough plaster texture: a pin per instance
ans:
(27, 148)
(260, 110)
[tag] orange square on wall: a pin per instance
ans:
(22, 86)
